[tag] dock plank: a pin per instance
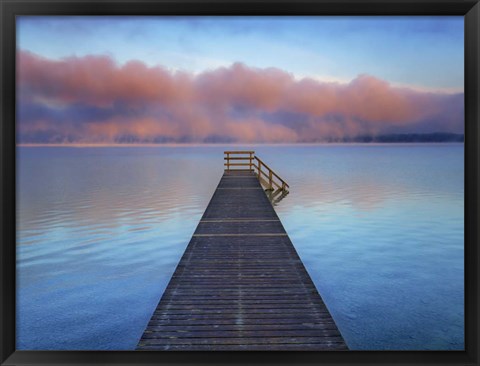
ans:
(240, 285)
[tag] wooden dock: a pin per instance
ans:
(240, 285)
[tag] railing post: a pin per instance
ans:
(256, 168)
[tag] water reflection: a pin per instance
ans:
(106, 191)
(379, 228)
(277, 196)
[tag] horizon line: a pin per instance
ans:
(86, 145)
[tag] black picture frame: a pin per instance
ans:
(11, 8)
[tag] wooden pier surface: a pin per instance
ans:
(240, 285)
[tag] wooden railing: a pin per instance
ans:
(271, 178)
(239, 160)
(248, 161)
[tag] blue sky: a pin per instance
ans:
(421, 52)
(237, 79)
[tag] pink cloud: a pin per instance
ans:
(93, 99)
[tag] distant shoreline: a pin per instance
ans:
(125, 145)
(431, 138)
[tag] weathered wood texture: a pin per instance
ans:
(240, 284)
(264, 173)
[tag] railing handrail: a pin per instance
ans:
(250, 156)
(270, 169)
(239, 152)
(251, 165)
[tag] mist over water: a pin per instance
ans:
(378, 227)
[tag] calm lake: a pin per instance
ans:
(380, 229)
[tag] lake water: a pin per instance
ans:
(380, 229)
